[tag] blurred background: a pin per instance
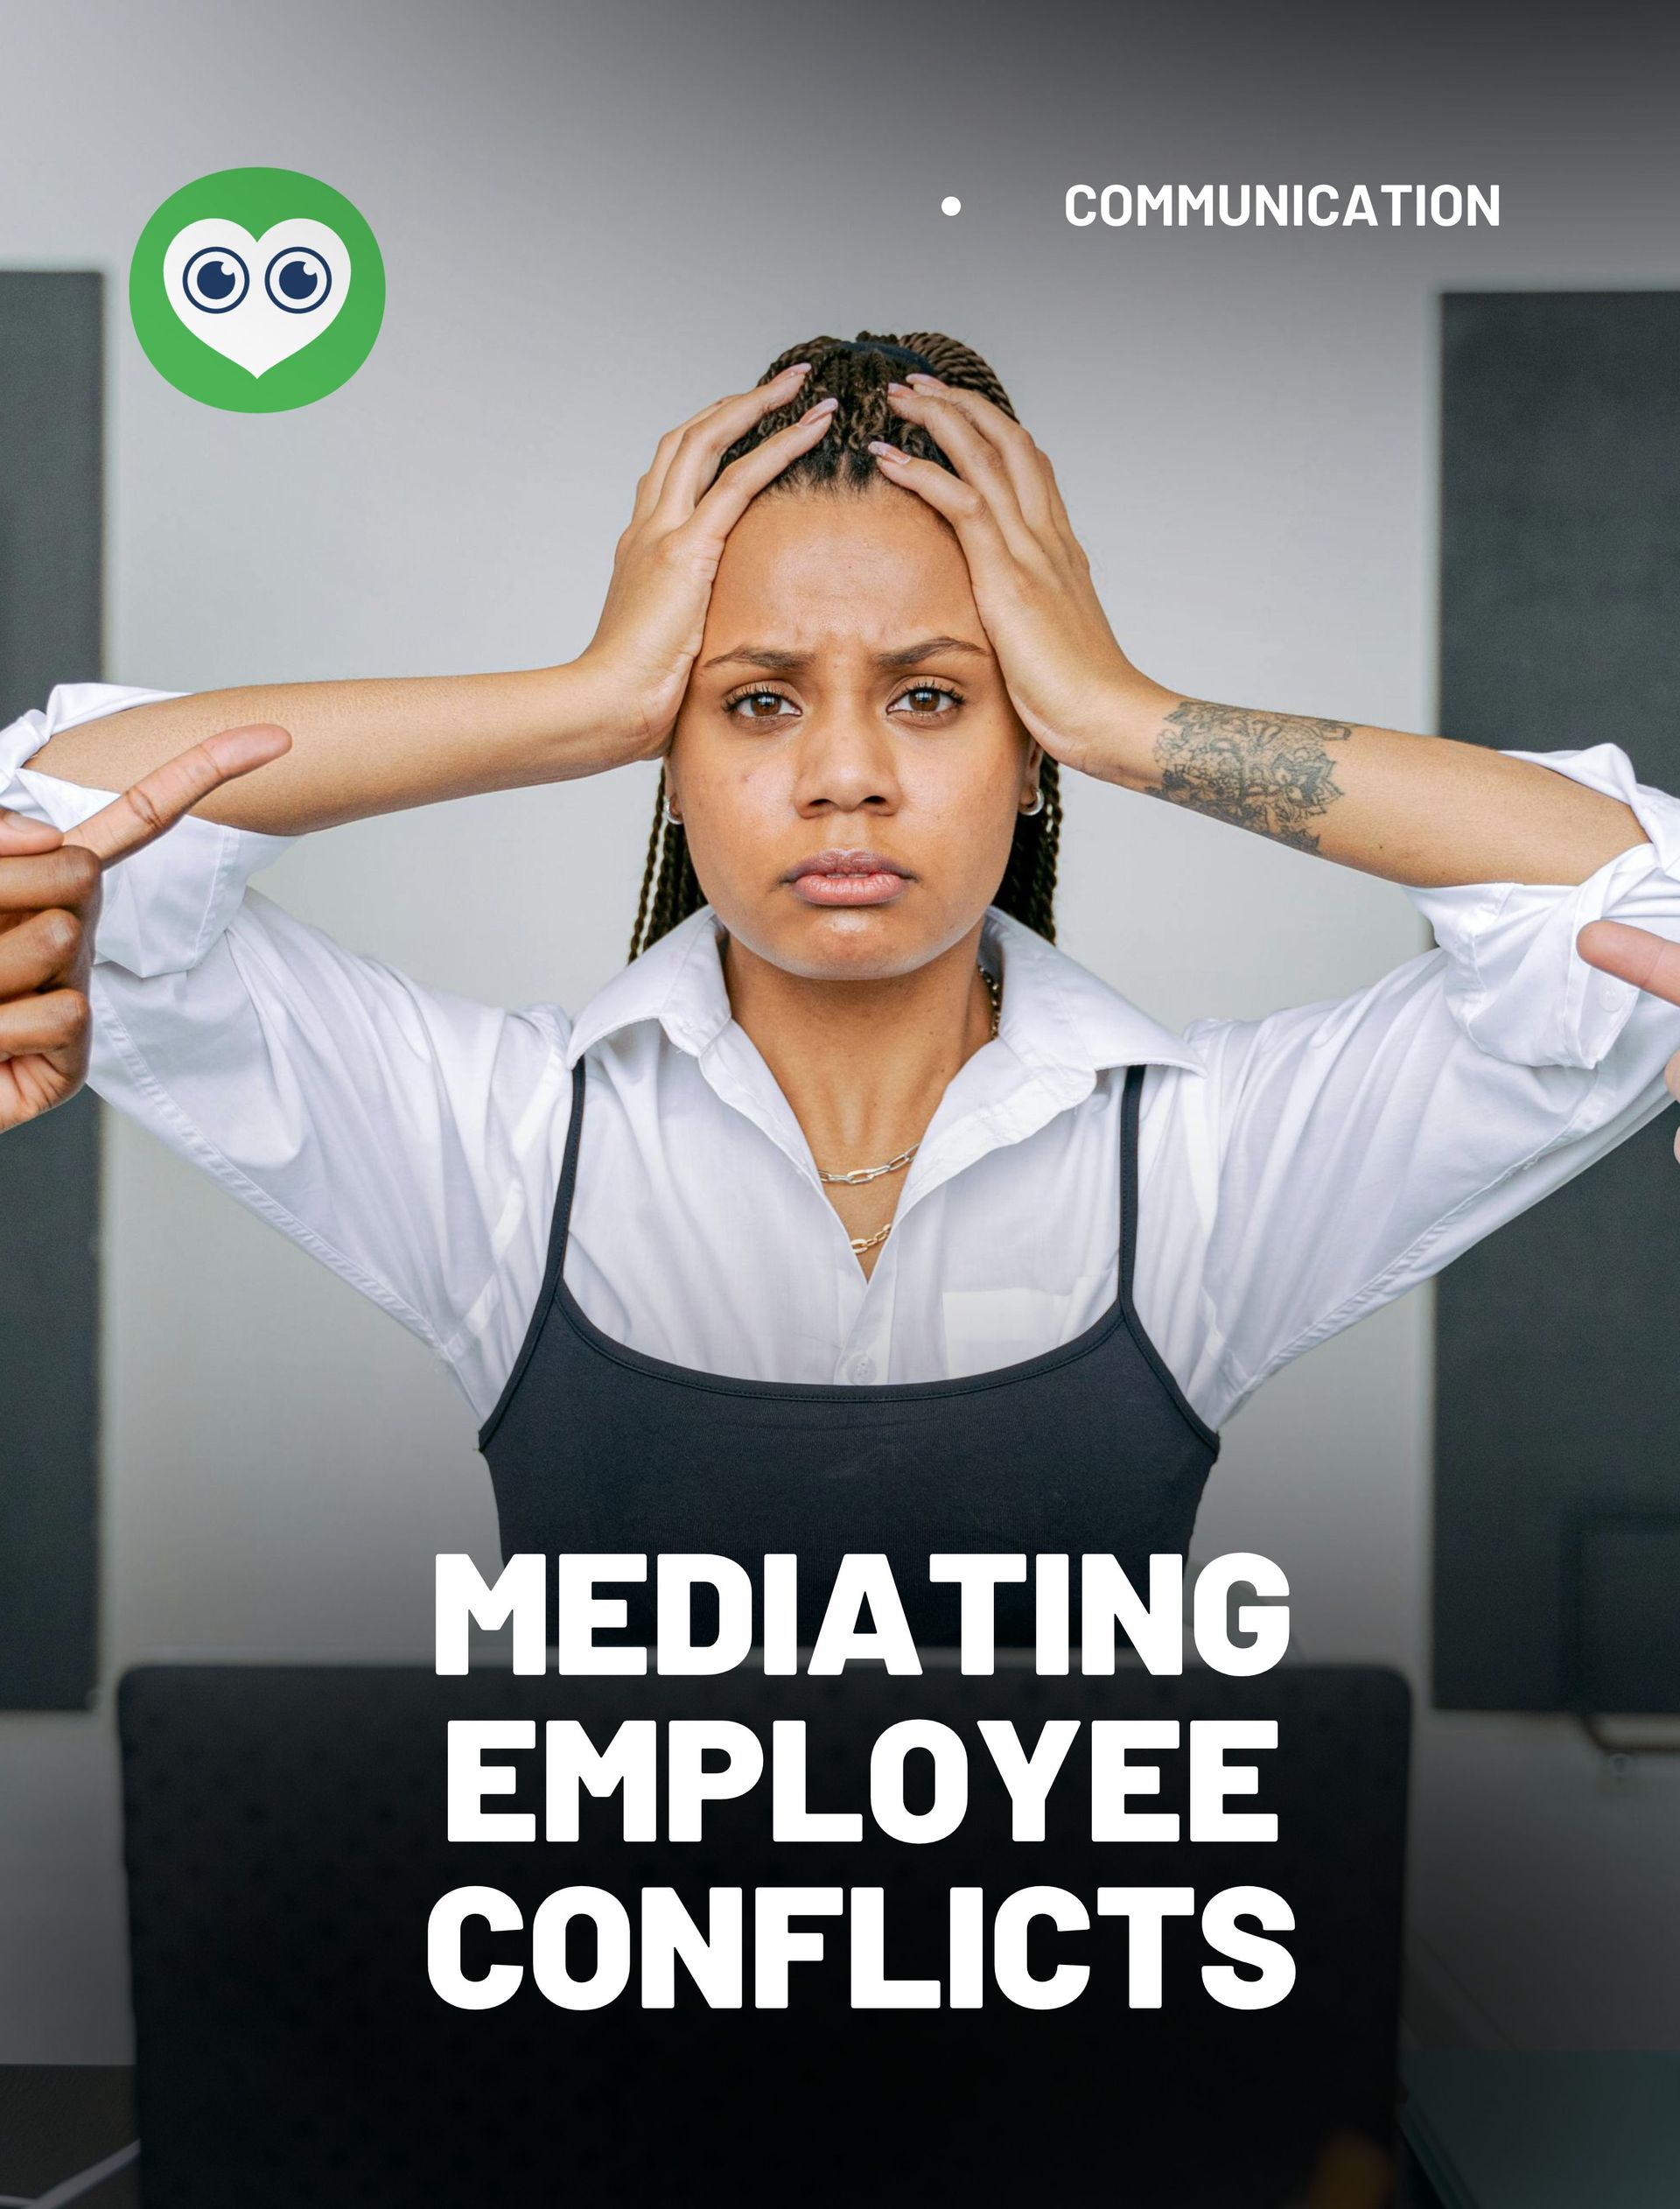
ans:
(594, 218)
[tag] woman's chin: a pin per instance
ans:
(850, 944)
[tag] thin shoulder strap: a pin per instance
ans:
(1131, 1101)
(1130, 1106)
(554, 1269)
(568, 1176)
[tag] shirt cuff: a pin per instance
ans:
(162, 910)
(1516, 983)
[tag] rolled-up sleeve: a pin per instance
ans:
(1516, 983)
(1362, 1144)
(400, 1134)
(163, 909)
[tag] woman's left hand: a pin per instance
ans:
(1074, 688)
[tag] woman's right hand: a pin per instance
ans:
(641, 657)
(49, 904)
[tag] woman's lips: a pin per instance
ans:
(847, 878)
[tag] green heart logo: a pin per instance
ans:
(257, 290)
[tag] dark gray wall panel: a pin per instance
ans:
(50, 379)
(1557, 1429)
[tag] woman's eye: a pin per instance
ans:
(762, 705)
(927, 701)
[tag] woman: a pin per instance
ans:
(853, 1214)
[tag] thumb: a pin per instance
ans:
(21, 838)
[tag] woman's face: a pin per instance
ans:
(847, 762)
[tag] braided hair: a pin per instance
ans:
(857, 374)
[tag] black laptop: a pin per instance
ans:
(286, 1841)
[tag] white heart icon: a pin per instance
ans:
(257, 300)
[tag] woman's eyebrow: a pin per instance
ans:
(903, 655)
(929, 648)
(760, 656)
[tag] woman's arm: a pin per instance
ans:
(1416, 810)
(364, 747)
(360, 747)
(1421, 810)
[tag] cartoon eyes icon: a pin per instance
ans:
(298, 280)
(215, 279)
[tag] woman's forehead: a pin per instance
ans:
(874, 566)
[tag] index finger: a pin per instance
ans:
(158, 800)
(1634, 955)
(978, 462)
(1021, 456)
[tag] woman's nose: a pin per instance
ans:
(846, 762)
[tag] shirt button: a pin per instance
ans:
(863, 1369)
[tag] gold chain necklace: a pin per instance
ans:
(858, 1175)
(862, 1243)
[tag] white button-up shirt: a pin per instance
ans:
(1296, 1172)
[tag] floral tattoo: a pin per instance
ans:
(1274, 772)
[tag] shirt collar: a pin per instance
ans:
(1057, 1017)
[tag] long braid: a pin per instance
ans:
(639, 936)
(857, 373)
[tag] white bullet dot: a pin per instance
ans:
(951, 205)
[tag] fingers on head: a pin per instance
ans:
(1053, 489)
(765, 462)
(1009, 478)
(733, 416)
(983, 416)
(722, 506)
(721, 501)
(964, 506)
(762, 463)
(964, 438)
(712, 433)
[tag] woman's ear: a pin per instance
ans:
(1031, 795)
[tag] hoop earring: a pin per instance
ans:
(671, 819)
(1029, 811)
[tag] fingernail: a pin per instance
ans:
(795, 368)
(898, 387)
(822, 406)
(236, 751)
(918, 379)
(882, 451)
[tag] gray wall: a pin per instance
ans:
(593, 218)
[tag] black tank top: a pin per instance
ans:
(1090, 1447)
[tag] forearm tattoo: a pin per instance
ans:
(1274, 772)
